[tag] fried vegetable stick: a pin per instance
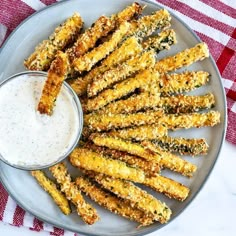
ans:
(67, 32)
(161, 184)
(99, 30)
(169, 187)
(184, 58)
(136, 196)
(101, 27)
(127, 14)
(160, 42)
(146, 25)
(136, 102)
(112, 202)
(89, 160)
(52, 86)
(147, 151)
(150, 168)
(130, 13)
(137, 63)
(184, 146)
(168, 84)
(128, 48)
(144, 132)
(46, 51)
(186, 104)
(186, 121)
(171, 161)
(85, 210)
(102, 122)
(183, 82)
(142, 79)
(124, 146)
(51, 188)
(88, 60)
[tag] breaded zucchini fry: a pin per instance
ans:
(52, 86)
(85, 210)
(51, 188)
(184, 146)
(124, 146)
(101, 27)
(137, 102)
(41, 58)
(66, 33)
(128, 13)
(144, 132)
(112, 202)
(138, 63)
(186, 104)
(45, 52)
(128, 48)
(146, 25)
(160, 42)
(184, 58)
(99, 30)
(89, 160)
(186, 121)
(147, 151)
(88, 60)
(171, 161)
(183, 82)
(150, 168)
(136, 196)
(167, 186)
(142, 79)
(101, 122)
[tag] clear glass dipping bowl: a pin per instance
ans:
(79, 130)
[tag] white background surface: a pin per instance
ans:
(212, 213)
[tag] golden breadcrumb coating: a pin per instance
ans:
(182, 82)
(141, 80)
(89, 160)
(183, 146)
(128, 48)
(186, 104)
(137, 63)
(144, 132)
(136, 196)
(102, 122)
(167, 186)
(52, 86)
(46, 51)
(162, 41)
(85, 210)
(150, 168)
(147, 151)
(88, 60)
(112, 202)
(184, 58)
(50, 187)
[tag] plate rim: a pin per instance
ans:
(148, 230)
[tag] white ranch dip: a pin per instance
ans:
(28, 138)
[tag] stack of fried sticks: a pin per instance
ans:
(130, 101)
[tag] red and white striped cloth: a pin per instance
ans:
(214, 21)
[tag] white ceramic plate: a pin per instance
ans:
(23, 188)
